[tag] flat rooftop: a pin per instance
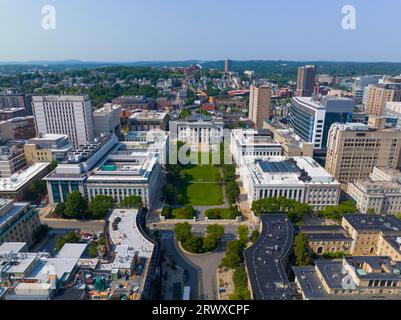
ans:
(10, 215)
(264, 259)
(151, 115)
(284, 170)
(18, 180)
(373, 222)
(128, 233)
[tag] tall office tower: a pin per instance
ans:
(70, 115)
(227, 66)
(306, 81)
(260, 105)
(378, 96)
(363, 82)
(354, 149)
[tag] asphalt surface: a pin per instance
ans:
(169, 245)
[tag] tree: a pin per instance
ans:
(93, 252)
(294, 209)
(76, 206)
(53, 165)
(234, 254)
(337, 212)
(243, 234)
(255, 236)
(70, 237)
(301, 250)
(371, 211)
(169, 192)
(240, 279)
(100, 206)
(59, 210)
(132, 202)
(194, 244)
(214, 234)
(41, 232)
(182, 231)
(31, 193)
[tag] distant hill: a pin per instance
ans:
(286, 69)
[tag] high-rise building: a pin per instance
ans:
(70, 115)
(363, 82)
(306, 81)
(311, 119)
(227, 66)
(354, 149)
(260, 105)
(378, 96)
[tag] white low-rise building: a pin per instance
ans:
(298, 178)
(112, 168)
(253, 143)
(198, 130)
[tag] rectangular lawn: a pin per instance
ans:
(202, 174)
(202, 194)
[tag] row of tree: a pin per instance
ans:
(234, 259)
(77, 207)
(195, 244)
(294, 209)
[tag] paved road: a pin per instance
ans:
(208, 265)
(169, 245)
(84, 226)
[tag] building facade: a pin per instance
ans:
(311, 119)
(380, 193)
(378, 96)
(306, 81)
(148, 120)
(354, 149)
(12, 160)
(22, 128)
(70, 115)
(200, 130)
(297, 178)
(106, 120)
(47, 148)
(260, 105)
(18, 222)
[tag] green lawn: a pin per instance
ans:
(202, 174)
(204, 158)
(225, 213)
(202, 194)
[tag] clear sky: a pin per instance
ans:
(138, 30)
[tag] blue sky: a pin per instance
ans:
(137, 30)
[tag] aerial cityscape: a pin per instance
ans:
(199, 180)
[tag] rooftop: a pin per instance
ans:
(127, 232)
(18, 180)
(285, 170)
(386, 223)
(264, 259)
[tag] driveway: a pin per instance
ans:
(208, 265)
(174, 253)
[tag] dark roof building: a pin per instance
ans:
(266, 260)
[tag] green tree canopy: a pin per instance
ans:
(100, 206)
(301, 250)
(132, 202)
(294, 209)
(76, 205)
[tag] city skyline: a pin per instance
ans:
(178, 31)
